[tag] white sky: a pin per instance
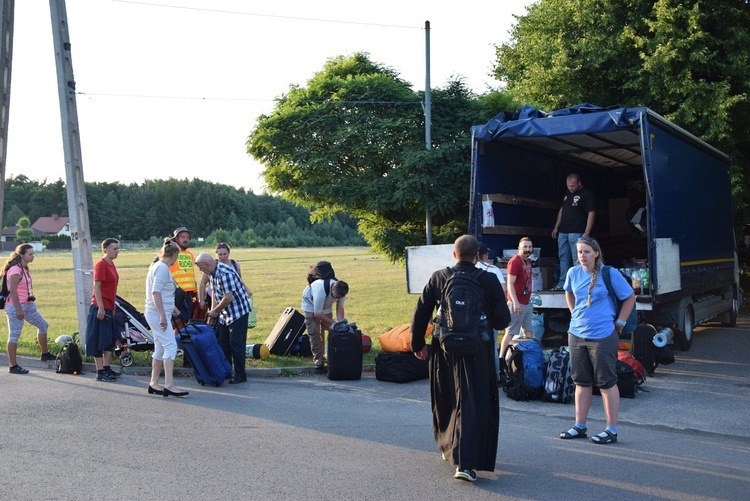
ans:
(209, 68)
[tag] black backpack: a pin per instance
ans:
(4, 292)
(69, 359)
(322, 270)
(461, 326)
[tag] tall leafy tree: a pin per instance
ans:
(352, 141)
(687, 60)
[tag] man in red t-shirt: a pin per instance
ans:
(519, 293)
(101, 329)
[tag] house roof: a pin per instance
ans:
(11, 231)
(50, 225)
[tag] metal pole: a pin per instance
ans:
(427, 119)
(80, 235)
(7, 9)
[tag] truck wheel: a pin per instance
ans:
(686, 329)
(733, 313)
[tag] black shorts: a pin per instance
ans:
(593, 362)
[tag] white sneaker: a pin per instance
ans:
(465, 474)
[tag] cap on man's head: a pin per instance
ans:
(483, 249)
(179, 230)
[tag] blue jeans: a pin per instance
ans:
(232, 338)
(566, 251)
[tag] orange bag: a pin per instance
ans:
(398, 339)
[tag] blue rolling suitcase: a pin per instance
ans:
(198, 344)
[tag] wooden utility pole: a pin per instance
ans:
(7, 9)
(427, 120)
(80, 236)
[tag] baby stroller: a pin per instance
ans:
(134, 330)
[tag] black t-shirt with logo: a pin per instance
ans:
(575, 210)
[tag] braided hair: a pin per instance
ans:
(597, 264)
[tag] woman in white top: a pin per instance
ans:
(159, 310)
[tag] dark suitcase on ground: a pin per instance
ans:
(400, 367)
(344, 352)
(284, 334)
(642, 347)
(198, 344)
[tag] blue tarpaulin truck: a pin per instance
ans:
(663, 203)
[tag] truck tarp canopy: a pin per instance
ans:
(520, 161)
(587, 133)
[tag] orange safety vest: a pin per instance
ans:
(182, 271)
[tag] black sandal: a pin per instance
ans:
(574, 432)
(605, 437)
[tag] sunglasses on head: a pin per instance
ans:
(588, 240)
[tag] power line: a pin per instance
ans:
(275, 16)
(203, 98)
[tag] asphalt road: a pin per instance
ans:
(305, 437)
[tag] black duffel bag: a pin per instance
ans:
(399, 367)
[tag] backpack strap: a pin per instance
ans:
(607, 277)
(327, 284)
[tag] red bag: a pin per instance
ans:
(624, 355)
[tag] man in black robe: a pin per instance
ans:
(463, 389)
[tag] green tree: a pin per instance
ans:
(352, 141)
(24, 233)
(687, 60)
(13, 214)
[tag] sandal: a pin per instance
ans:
(605, 437)
(574, 432)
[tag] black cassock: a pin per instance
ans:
(463, 390)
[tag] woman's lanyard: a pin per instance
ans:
(25, 274)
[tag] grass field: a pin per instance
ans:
(377, 300)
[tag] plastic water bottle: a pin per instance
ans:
(636, 278)
(645, 281)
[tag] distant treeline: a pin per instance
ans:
(153, 209)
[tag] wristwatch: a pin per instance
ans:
(621, 323)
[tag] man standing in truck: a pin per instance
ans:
(575, 220)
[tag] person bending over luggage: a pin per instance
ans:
(102, 332)
(204, 291)
(594, 337)
(229, 312)
(20, 305)
(160, 309)
(317, 305)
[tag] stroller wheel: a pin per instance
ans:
(126, 359)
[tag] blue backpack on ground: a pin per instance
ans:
(524, 375)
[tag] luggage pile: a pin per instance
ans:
(396, 363)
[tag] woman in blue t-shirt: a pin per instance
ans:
(593, 338)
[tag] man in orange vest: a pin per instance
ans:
(183, 272)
